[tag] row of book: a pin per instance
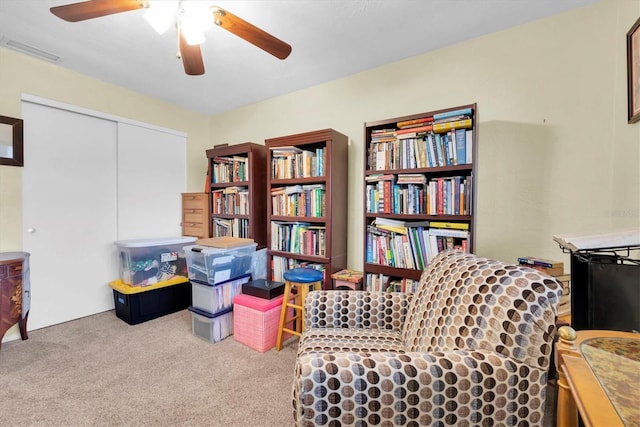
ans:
(422, 151)
(230, 200)
(298, 238)
(294, 162)
(236, 227)
(444, 139)
(281, 264)
(383, 283)
(299, 200)
(230, 169)
(439, 196)
(412, 245)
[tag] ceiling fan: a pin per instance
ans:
(191, 19)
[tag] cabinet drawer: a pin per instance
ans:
(197, 217)
(198, 203)
(11, 269)
(192, 211)
(192, 229)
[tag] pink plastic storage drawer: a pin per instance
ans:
(255, 321)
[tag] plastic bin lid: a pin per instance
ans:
(123, 288)
(210, 315)
(162, 241)
(210, 250)
(245, 278)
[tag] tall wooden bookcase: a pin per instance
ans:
(237, 199)
(307, 203)
(419, 192)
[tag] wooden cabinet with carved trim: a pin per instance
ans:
(14, 292)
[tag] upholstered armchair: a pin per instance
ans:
(471, 347)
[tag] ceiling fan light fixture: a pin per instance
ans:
(192, 36)
(194, 21)
(161, 14)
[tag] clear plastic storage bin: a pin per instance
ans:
(216, 265)
(144, 262)
(211, 327)
(215, 298)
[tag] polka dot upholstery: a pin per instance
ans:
(470, 347)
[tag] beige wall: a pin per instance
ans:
(23, 74)
(555, 151)
(556, 154)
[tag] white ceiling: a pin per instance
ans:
(330, 39)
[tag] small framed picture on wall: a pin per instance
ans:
(633, 72)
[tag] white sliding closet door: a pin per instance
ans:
(151, 176)
(69, 213)
(90, 179)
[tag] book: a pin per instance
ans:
(444, 224)
(469, 145)
(390, 225)
(379, 177)
(415, 234)
(288, 150)
(529, 260)
(414, 122)
(449, 232)
(461, 146)
(565, 282)
(453, 113)
(551, 271)
(411, 178)
(614, 239)
(447, 126)
(425, 128)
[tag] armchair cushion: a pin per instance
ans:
(453, 388)
(356, 309)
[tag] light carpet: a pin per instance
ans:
(100, 371)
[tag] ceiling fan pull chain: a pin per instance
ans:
(178, 53)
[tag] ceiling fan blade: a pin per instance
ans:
(251, 33)
(94, 9)
(191, 58)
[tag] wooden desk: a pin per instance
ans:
(599, 377)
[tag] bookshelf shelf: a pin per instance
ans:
(241, 166)
(308, 225)
(419, 192)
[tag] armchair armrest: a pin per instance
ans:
(438, 388)
(356, 309)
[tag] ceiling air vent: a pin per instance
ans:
(30, 50)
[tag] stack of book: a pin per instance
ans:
(556, 270)
(547, 266)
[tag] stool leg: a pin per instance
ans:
(303, 296)
(283, 314)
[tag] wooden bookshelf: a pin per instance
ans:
(416, 186)
(237, 194)
(307, 202)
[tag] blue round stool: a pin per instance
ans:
(302, 280)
